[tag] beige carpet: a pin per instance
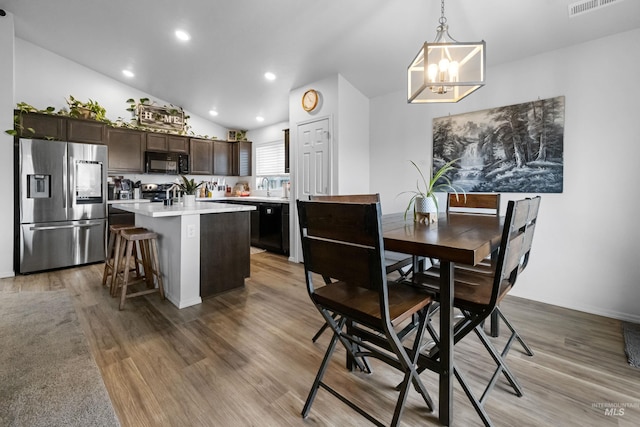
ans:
(47, 374)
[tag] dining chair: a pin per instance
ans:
(394, 262)
(477, 294)
(469, 204)
(343, 242)
(474, 203)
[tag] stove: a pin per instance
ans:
(155, 192)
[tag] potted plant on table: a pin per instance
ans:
(424, 201)
(189, 187)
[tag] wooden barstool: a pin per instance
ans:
(113, 251)
(147, 243)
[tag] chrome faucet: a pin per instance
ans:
(262, 183)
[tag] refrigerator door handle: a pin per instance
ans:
(59, 227)
(65, 180)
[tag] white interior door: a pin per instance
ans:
(313, 170)
(314, 159)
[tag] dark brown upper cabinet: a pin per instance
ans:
(89, 131)
(126, 150)
(241, 158)
(222, 158)
(169, 143)
(44, 126)
(201, 156)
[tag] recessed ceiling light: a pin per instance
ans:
(213, 112)
(183, 35)
(128, 73)
(269, 75)
(260, 119)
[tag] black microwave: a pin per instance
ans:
(167, 163)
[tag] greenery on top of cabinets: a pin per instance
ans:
(92, 110)
(22, 108)
(77, 109)
(86, 110)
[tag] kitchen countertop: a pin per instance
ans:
(246, 199)
(127, 201)
(159, 210)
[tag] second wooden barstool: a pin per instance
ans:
(113, 254)
(147, 242)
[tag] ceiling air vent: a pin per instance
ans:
(580, 7)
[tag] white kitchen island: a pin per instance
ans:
(204, 249)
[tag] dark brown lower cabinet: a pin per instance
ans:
(224, 252)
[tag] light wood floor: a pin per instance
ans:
(246, 358)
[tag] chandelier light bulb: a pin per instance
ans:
(444, 65)
(432, 70)
(453, 71)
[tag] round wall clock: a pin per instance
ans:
(310, 100)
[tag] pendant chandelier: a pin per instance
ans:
(445, 70)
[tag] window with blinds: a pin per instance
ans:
(270, 158)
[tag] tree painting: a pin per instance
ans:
(512, 149)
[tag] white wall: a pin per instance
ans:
(353, 134)
(585, 252)
(6, 142)
(46, 79)
(348, 112)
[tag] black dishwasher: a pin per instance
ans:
(271, 226)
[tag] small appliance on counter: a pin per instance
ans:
(155, 192)
(120, 188)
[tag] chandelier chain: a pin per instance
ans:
(442, 19)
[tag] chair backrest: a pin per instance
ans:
(347, 198)
(474, 203)
(342, 241)
(515, 245)
(532, 220)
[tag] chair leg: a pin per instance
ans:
(479, 407)
(322, 329)
(155, 261)
(514, 334)
(501, 368)
(125, 281)
(110, 261)
(409, 362)
(323, 368)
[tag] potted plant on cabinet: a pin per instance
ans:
(86, 110)
(424, 201)
(189, 187)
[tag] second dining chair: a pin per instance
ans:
(477, 294)
(343, 243)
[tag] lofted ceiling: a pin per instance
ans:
(369, 42)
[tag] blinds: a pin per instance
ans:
(270, 158)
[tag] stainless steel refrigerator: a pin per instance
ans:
(61, 215)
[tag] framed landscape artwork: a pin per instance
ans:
(512, 149)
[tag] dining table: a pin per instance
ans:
(453, 238)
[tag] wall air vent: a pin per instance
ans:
(584, 6)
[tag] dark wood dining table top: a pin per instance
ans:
(455, 237)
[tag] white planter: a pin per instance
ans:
(189, 200)
(426, 210)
